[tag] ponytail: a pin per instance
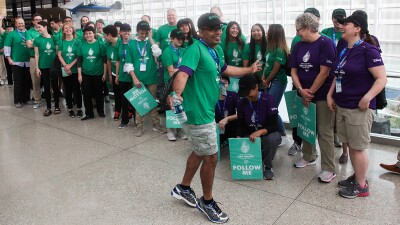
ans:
(368, 38)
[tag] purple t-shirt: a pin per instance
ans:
(308, 57)
(357, 80)
(342, 42)
(228, 104)
(265, 107)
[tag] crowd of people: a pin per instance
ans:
(339, 69)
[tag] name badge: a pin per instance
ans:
(338, 85)
(142, 67)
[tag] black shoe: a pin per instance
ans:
(79, 113)
(102, 115)
(71, 113)
(87, 117)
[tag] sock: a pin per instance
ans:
(207, 202)
(184, 187)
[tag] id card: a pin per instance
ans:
(222, 88)
(338, 85)
(142, 67)
(63, 72)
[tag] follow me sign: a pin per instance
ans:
(246, 161)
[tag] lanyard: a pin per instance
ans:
(214, 55)
(124, 50)
(342, 58)
(178, 53)
(222, 111)
(255, 112)
(22, 37)
(142, 51)
(334, 36)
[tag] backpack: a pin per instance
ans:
(164, 93)
(381, 101)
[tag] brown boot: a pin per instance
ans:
(391, 168)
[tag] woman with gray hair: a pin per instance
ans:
(311, 62)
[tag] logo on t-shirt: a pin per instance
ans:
(377, 60)
(69, 52)
(306, 57)
(259, 55)
(168, 40)
(90, 55)
(235, 55)
(48, 49)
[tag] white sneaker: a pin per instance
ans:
(171, 136)
(36, 105)
(181, 133)
(303, 163)
(285, 140)
(326, 176)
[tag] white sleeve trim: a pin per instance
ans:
(128, 67)
(156, 50)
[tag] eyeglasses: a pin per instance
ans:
(37, 20)
(297, 30)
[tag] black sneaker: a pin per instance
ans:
(71, 113)
(268, 174)
(186, 195)
(348, 182)
(79, 113)
(212, 211)
(122, 125)
(354, 191)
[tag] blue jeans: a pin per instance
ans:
(276, 90)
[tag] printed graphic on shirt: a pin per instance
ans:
(90, 56)
(48, 49)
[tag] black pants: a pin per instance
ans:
(72, 86)
(296, 138)
(92, 87)
(105, 88)
(9, 72)
(124, 87)
(22, 84)
(47, 90)
(117, 95)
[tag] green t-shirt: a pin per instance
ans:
(162, 35)
(201, 92)
(233, 54)
(79, 34)
(258, 56)
(123, 53)
(171, 57)
(112, 52)
(1, 43)
(276, 56)
(31, 34)
(57, 36)
(47, 51)
(17, 41)
(68, 51)
(92, 57)
(150, 76)
(330, 32)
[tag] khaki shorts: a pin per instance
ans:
(203, 138)
(354, 127)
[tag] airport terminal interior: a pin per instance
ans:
(61, 170)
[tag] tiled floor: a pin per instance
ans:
(58, 170)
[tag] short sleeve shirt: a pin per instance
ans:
(233, 54)
(68, 51)
(258, 56)
(171, 57)
(92, 57)
(122, 56)
(112, 52)
(332, 34)
(19, 50)
(162, 35)
(278, 55)
(31, 34)
(47, 51)
(357, 80)
(226, 107)
(308, 57)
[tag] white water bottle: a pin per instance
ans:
(178, 108)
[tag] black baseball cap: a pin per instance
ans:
(358, 18)
(143, 25)
(176, 33)
(210, 20)
(313, 11)
(125, 27)
(339, 13)
(246, 84)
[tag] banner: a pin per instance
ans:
(233, 84)
(171, 120)
(246, 160)
(141, 100)
(291, 105)
(306, 125)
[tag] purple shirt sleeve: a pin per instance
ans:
(224, 68)
(187, 70)
(327, 52)
(373, 57)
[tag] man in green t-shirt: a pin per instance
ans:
(147, 18)
(56, 29)
(162, 36)
(17, 54)
(198, 81)
(335, 32)
(31, 34)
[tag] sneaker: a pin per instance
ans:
(212, 211)
(348, 182)
(116, 115)
(122, 125)
(284, 141)
(71, 113)
(36, 105)
(392, 168)
(303, 163)
(30, 102)
(326, 176)
(268, 174)
(18, 105)
(171, 135)
(2, 82)
(181, 133)
(354, 191)
(107, 99)
(294, 149)
(157, 127)
(79, 113)
(186, 195)
(47, 112)
(139, 131)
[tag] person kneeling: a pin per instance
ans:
(258, 117)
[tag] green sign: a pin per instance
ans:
(306, 121)
(141, 100)
(171, 120)
(291, 105)
(246, 161)
(233, 84)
